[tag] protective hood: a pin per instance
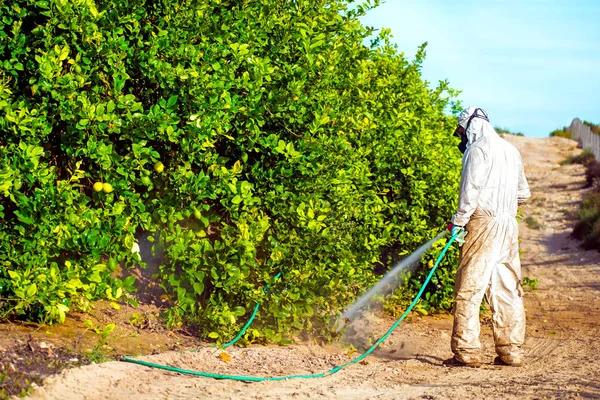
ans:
(492, 177)
(476, 123)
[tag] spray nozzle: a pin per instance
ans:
(459, 233)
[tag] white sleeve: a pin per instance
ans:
(523, 193)
(473, 175)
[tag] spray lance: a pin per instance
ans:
(385, 285)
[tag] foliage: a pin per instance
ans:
(592, 166)
(97, 354)
(563, 132)
(505, 131)
(587, 228)
(585, 157)
(530, 283)
(438, 295)
(533, 223)
(594, 127)
(247, 137)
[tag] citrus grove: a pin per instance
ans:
(245, 138)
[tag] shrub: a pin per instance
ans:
(587, 229)
(594, 127)
(247, 138)
(505, 131)
(592, 166)
(592, 174)
(533, 223)
(562, 133)
(584, 158)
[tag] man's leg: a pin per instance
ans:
(471, 283)
(508, 314)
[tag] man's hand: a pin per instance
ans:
(454, 229)
(458, 231)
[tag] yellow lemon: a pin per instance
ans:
(159, 167)
(98, 186)
(107, 187)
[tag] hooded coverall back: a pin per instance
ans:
(492, 186)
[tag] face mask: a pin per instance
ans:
(462, 134)
(462, 146)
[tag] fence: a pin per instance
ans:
(586, 138)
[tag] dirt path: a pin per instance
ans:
(563, 332)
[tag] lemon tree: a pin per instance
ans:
(244, 137)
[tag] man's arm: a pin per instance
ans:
(474, 172)
(523, 193)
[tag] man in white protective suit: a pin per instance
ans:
(492, 186)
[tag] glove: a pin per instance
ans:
(454, 229)
(459, 231)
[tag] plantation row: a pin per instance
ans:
(245, 137)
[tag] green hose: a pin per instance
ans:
(309, 376)
(239, 335)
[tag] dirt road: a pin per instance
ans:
(563, 331)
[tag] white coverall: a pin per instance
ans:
(492, 185)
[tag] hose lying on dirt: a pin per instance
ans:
(319, 375)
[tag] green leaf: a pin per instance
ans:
(237, 199)
(108, 329)
(62, 307)
(31, 290)
(23, 218)
(198, 287)
(64, 53)
(95, 277)
(172, 101)
(280, 146)
(128, 281)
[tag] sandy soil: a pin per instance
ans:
(563, 331)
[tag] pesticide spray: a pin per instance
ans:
(383, 287)
(363, 300)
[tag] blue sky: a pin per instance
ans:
(533, 65)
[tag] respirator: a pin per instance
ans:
(462, 132)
